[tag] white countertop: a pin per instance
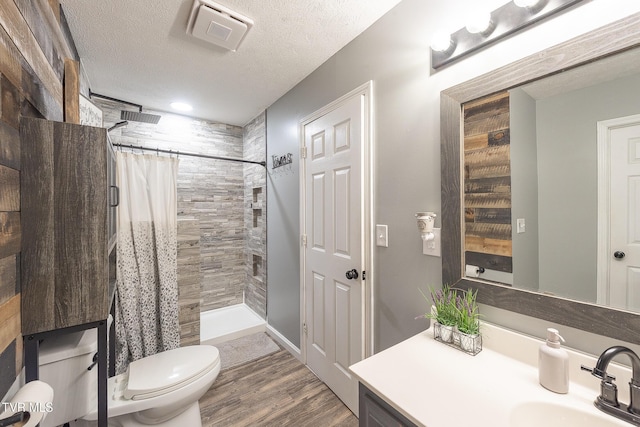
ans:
(435, 385)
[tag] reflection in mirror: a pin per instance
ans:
(572, 228)
(540, 184)
(487, 188)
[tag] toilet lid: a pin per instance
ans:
(166, 371)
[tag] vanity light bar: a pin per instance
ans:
(505, 20)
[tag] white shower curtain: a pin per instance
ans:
(147, 286)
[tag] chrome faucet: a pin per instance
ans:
(608, 399)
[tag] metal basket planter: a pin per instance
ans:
(451, 336)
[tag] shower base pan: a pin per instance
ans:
(228, 323)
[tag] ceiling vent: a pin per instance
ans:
(216, 24)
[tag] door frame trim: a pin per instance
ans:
(365, 92)
(604, 128)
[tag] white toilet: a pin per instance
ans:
(161, 390)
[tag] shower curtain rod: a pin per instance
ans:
(182, 153)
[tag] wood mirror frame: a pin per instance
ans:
(603, 42)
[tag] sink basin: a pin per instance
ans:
(533, 414)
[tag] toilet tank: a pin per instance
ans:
(63, 365)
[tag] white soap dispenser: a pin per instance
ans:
(553, 363)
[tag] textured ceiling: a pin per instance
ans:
(138, 51)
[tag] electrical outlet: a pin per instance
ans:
(432, 247)
(382, 235)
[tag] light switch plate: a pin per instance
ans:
(382, 235)
(520, 225)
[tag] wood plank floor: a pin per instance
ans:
(276, 390)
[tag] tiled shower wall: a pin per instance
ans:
(210, 192)
(189, 280)
(255, 211)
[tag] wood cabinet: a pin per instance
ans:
(375, 412)
(64, 220)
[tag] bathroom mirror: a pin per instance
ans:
(603, 43)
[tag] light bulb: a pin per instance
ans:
(526, 3)
(479, 23)
(441, 42)
(181, 106)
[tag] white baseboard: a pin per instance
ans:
(283, 341)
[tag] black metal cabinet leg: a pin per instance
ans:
(112, 342)
(31, 349)
(102, 374)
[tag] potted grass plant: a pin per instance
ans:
(456, 318)
(444, 312)
(467, 334)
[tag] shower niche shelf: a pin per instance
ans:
(256, 207)
(256, 201)
(257, 267)
(257, 218)
(257, 195)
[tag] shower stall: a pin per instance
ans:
(221, 218)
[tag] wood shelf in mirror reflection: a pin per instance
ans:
(487, 184)
(617, 324)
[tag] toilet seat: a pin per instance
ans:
(164, 372)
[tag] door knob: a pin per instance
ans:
(618, 254)
(352, 274)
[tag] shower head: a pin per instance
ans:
(134, 116)
(117, 125)
(139, 116)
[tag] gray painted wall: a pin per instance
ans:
(524, 188)
(394, 54)
(568, 187)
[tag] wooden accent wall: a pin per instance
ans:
(31, 76)
(487, 183)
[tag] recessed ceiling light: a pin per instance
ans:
(181, 106)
